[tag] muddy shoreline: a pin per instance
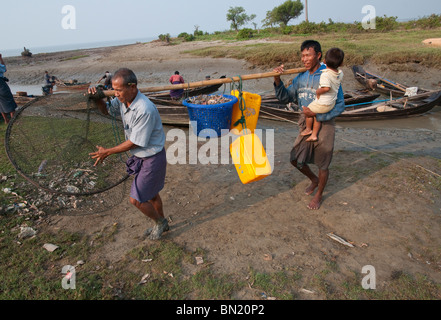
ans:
(383, 195)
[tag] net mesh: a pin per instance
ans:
(49, 141)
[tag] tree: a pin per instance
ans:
(238, 17)
(164, 37)
(269, 20)
(287, 11)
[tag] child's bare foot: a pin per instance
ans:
(312, 139)
(306, 132)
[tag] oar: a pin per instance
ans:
(396, 85)
(214, 81)
(403, 101)
(364, 103)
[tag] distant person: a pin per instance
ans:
(47, 78)
(176, 79)
(326, 94)
(107, 77)
(145, 139)
(49, 83)
(7, 102)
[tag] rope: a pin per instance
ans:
(367, 147)
(242, 106)
(116, 134)
(392, 156)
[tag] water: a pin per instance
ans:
(428, 121)
(30, 89)
(77, 46)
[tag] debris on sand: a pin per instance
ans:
(50, 247)
(340, 240)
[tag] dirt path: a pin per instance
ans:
(390, 209)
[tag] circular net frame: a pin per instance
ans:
(49, 140)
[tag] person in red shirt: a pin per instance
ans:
(176, 79)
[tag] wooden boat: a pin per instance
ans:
(351, 97)
(379, 84)
(399, 108)
(189, 92)
(174, 113)
(22, 100)
(63, 86)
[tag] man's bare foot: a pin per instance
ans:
(311, 188)
(306, 132)
(312, 139)
(315, 203)
(155, 232)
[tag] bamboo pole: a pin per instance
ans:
(214, 81)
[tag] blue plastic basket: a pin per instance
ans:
(214, 117)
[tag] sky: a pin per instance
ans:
(30, 24)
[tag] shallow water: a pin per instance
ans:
(428, 121)
(30, 89)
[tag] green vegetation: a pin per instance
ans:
(76, 57)
(284, 13)
(238, 17)
(401, 46)
(164, 37)
(391, 42)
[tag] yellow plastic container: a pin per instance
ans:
(249, 158)
(251, 112)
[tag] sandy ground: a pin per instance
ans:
(384, 192)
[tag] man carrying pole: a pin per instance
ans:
(303, 91)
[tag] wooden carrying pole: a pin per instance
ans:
(214, 81)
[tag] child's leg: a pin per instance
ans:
(315, 130)
(308, 130)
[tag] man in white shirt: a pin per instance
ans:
(145, 139)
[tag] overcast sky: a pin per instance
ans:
(40, 23)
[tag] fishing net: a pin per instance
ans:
(49, 141)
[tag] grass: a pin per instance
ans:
(76, 57)
(401, 46)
